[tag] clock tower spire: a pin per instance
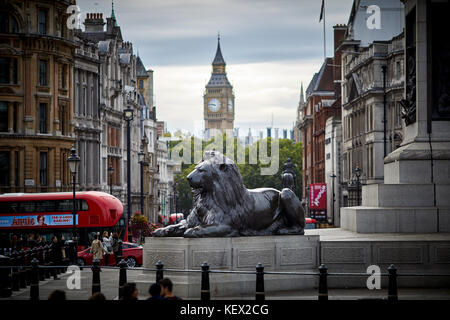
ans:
(218, 99)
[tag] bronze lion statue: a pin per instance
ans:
(224, 207)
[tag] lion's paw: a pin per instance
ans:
(161, 232)
(190, 233)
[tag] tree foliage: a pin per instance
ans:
(251, 173)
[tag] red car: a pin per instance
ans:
(132, 254)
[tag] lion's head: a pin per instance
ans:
(218, 187)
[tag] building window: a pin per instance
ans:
(84, 101)
(14, 70)
(4, 168)
(15, 109)
(42, 21)
(3, 116)
(4, 22)
(398, 115)
(8, 24)
(141, 84)
(63, 76)
(16, 168)
(4, 70)
(43, 118)
(43, 169)
(63, 120)
(43, 72)
(8, 70)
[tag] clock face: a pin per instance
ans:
(214, 105)
(230, 105)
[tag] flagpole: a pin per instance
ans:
(324, 40)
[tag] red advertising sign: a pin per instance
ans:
(318, 196)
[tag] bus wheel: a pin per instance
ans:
(131, 262)
(80, 262)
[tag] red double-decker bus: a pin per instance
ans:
(49, 214)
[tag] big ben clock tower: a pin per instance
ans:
(218, 99)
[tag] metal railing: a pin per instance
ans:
(17, 273)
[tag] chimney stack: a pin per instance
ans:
(94, 22)
(339, 36)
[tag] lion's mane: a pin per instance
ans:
(226, 200)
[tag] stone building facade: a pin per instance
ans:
(118, 89)
(87, 116)
(150, 136)
(413, 198)
(36, 96)
(322, 102)
(372, 87)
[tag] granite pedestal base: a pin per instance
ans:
(276, 253)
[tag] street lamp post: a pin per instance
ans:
(74, 161)
(128, 116)
(332, 176)
(141, 156)
(307, 201)
(358, 175)
(110, 172)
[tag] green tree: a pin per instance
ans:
(251, 173)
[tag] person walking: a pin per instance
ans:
(97, 248)
(107, 247)
(115, 246)
(56, 251)
(31, 241)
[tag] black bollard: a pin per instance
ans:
(46, 261)
(15, 272)
(5, 277)
(57, 270)
(119, 251)
(40, 251)
(159, 270)
(41, 271)
(33, 254)
(122, 276)
(22, 270)
(28, 266)
(323, 286)
(392, 287)
(34, 288)
(205, 291)
(96, 276)
(260, 295)
(66, 256)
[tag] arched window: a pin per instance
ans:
(8, 23)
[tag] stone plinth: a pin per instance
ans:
(276, 253)
(412, 253)
(414, 197)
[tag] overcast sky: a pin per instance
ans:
(270, 47)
